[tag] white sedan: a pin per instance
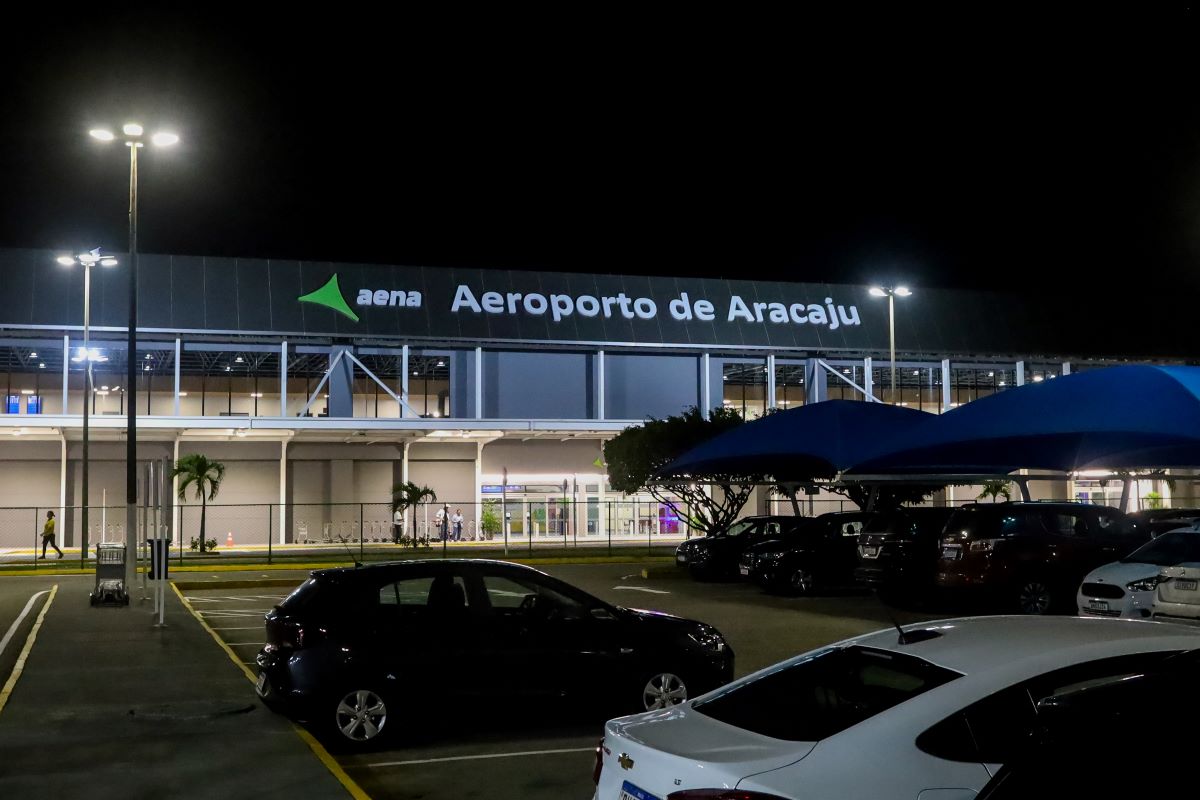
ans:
(930, 716)
(1130, 588)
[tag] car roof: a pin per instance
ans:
(976, 645)
(379, 569)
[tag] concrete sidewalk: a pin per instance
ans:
(109, 706)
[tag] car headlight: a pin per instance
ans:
(709, 639)
(1146, 584)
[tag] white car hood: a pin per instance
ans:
(680, 748)
(1120, 573)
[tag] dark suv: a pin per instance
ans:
(820, 552)
(717, 555)
(898, 551)
(352, 648)
(1030, 556)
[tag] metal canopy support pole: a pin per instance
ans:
(478, 383)
(1066, 368)
(62, 486)
(176, 510)
(283, 364)
(283, 446)
(770, 381)
(178, 353)
(1020, 373)
(705, 388)
(945, 385)
(869, 383)
(321, 385)
(131, 383)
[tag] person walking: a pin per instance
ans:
(397, 526)
(457, 519)
(442, 521)
(48, 535)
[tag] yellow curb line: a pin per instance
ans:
(318, 749)
(19, 667)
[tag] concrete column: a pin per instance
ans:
(283, 361)
(869, 381)
(1066, 368)
(599, 384)
(177, 509)
(66, 366)
(478, 486)
(478, 385)
(815, 382)
(341, 384)
(945, 385)
(705, 386)
(771, 382)
(178, 353)
(404, 412)
(1020, 373)
(62, 491)
(283, 491)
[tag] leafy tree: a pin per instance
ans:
(888, 497)
(196, 471)
(995, 489)
(634, 455)
(489, 520)
(408, 495)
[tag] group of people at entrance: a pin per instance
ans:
(449, 526)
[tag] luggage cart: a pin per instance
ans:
(110, 576)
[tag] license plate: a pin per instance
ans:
(744, 570)
(631, 792)
(260, 686)
(870, 552)
(951, 553)
(1098, 605)
(1185, 584)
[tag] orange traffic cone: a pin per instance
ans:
(229, 540)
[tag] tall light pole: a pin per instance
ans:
(86, 355)
(134, 135)
(891, 293)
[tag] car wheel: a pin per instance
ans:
(663, 690)
(1034, 596)
(360, 716)
(801, 581)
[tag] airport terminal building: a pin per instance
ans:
(324, 384)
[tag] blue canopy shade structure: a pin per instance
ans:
(1117, 417)
(812, 442)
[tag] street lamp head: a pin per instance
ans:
(164, 139)
(108, 262)
(66, 261)
(903, 291)
(877, 291)
(132, 129)
(102, 134)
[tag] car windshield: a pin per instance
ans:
(740, 527)
(1168, 550)
(824, 694)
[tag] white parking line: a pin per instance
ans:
(17, 623)
(244, 644)
(251, 628)
(642, 589)
(481, 757)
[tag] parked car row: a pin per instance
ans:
(1159, 580)
(1016, 556)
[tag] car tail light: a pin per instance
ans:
(600, 750)
(721, 794)
(984, 545)
(298, 635)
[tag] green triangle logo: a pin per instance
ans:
(330, 296)
(599, 462)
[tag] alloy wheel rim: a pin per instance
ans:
(802, 580)
(1035, 598)
(663, 691)
(361, 715)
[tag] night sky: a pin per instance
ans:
(996, 147)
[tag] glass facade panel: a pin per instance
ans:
(789, 385)
(745, 387)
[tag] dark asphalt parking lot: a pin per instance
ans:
(534, 753)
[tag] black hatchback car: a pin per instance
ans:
(717, 555)
(345, 648)
(819, 553)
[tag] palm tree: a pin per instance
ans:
(197, 470)
(408, 495)
(994, 490)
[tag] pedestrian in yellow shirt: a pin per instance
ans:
(48, 535)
